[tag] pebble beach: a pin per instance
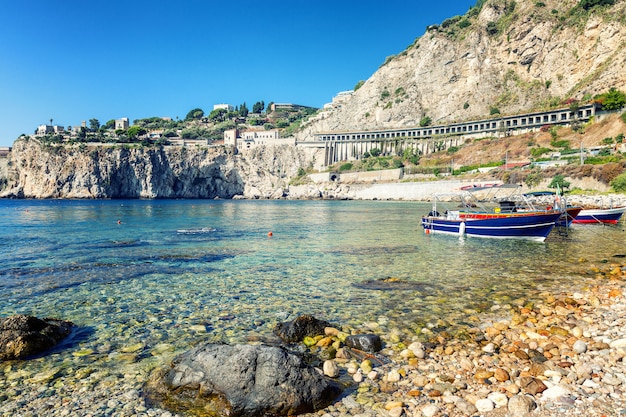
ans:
(560, 357)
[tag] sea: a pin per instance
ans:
(144, 280)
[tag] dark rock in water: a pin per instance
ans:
(296, 330)
(392, 283)
(22, 336)
(242, 380)
(369, 343)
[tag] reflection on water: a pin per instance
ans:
(175, 273)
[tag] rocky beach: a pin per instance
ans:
(563, 356)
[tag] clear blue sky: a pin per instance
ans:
(76, 60)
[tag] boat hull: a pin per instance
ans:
(535, 227)
(568, 217)
(609, 216)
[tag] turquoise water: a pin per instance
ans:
(177, 273)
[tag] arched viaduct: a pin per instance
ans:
(351, 145)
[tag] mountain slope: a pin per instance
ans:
(513, 56)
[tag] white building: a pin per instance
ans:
(223, 106)
(253, 138)
(121, 124)
(48, 129)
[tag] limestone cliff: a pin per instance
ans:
(39, 171)
(515, 56)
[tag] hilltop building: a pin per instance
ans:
(339, 100)
(223, 106)
(43, 130)
(121, 124)
(253, 138)
(287, 107)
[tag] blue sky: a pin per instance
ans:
(74, 60)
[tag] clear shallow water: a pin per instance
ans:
(176, 273)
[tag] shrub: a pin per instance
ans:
(619, 183)
(560, 144)
(588, 4)
(494, 110)
(619, 138)
(607, 141)
(533, 179)
(537, 152)
(359, 85)
(623, 117)
(346, 167)
(559, 181)
(608, 172)
(492, 28)
(425, 121)
(375, 152)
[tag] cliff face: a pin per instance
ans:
(515, 56)
(37, 171)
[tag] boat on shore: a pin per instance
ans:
(489, 217)
(606, 216)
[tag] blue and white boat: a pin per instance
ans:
(490, 218)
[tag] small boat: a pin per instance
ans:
(490, 218)
(607, 216)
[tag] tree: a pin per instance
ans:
(619, 183)
(94, 125)
(559, 182)
(195, 114)
(135, 131)
(243, 110)
(110, 124)
(258, 107)
(218, 115)
(613, 100)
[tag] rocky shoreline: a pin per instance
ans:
(560, 357)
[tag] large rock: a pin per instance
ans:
(302, 326)
(242, 380)
(22, 336)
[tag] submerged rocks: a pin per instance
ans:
(22, 336)
(243, 380)
(369, 343)
(302, 326)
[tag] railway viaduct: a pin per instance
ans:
(352, 145)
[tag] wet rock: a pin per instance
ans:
(22, 336)
(302, 326)
(242, 380)
(393, 283)
(370, 343)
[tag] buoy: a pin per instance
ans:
(270, 234)
(462, 229)
(427, 231)
(119, 222)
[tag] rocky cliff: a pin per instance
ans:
(92, 171)
(513, 56)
